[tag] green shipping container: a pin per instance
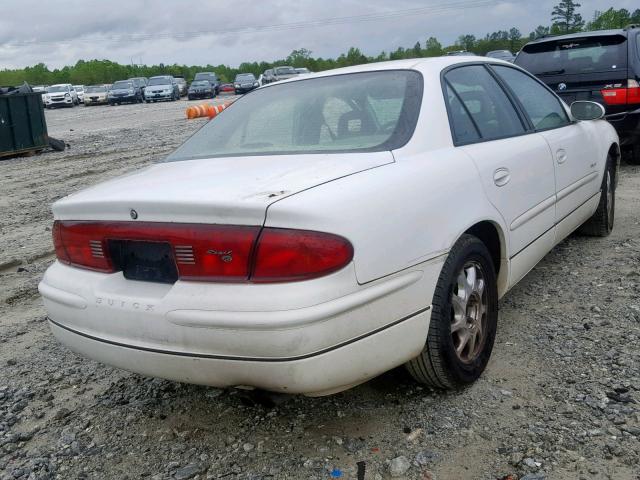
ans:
(23, 127)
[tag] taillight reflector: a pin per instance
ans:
(201, 252)
(622, 96)
(285, 255)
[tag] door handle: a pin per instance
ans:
(561, 156)
(501, 177)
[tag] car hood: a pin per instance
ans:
(233, 190)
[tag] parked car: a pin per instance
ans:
(61, 95)
(502, 55)
(603, 66)
(162, 87)
(211, 77)
(95, 95)
(245, 82)
(227, 88)
(267, 77)
(79, 92)
(182, 85)
(307, 239)
(282, 73)
(460, 53)
(140, 82)
(200, 89)
(42, 89)
(124, 91)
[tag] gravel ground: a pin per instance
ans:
(559, 399)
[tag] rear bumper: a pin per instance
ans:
(321, 373)
(312, 337)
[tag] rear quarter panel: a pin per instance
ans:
(396, 216)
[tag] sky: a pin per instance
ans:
(199, 32)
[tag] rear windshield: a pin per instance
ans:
(360, 112)
(577, 55)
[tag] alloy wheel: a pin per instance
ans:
(469, 312)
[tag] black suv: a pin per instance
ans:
(603, 66)
(211, 77)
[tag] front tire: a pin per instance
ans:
(463, 320)
(601, 222)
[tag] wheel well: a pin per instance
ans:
(489, 235)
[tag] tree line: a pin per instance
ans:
(565, 18)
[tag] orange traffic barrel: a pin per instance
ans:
(205, 110)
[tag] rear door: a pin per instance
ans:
(514, 163)
(580, 68)
(576, 162)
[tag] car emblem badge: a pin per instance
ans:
(225, 255)
(133, 214)
(562, 86)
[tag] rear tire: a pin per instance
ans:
(601, 222)
(464, 319)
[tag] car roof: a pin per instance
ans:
(569, 36)
(431, 64)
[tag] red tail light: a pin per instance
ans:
(622, 96)
(286, 255)
(209, 252)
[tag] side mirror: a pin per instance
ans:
(584, 110)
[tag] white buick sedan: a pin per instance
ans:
(326, 229)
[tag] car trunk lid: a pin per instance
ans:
(231, 190)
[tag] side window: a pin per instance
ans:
(542, 107)
(491, 110)
(463, 129)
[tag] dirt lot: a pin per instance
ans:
(558, 401)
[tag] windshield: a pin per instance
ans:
(58, 88)
(245, 77)
(95, 89)
(302, 70)
(577, 55)
(285, 71)
(78, 88)
(200, 83)
(371, 111)
(159, 81)
(121, 85)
